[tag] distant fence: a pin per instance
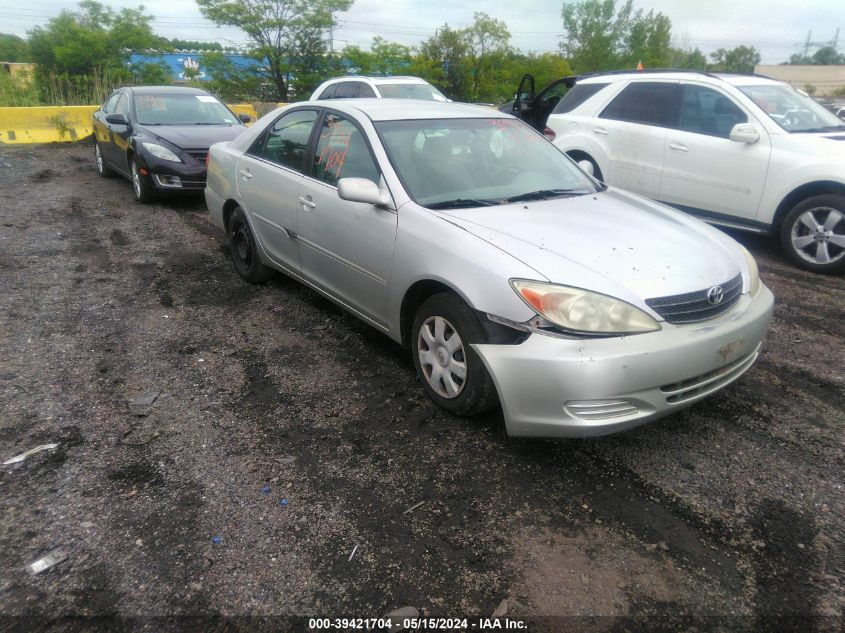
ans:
(66, 124)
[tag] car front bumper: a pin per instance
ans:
(559, 387)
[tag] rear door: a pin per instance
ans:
(270, 183)
(346, 247)
(632, 130)
(120, 135)
(703, 168)
(102, 129)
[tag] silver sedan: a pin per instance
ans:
(514, 277)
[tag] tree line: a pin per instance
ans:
(81, 54)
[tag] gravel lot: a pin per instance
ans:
(728, 516)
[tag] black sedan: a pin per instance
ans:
(158, 137)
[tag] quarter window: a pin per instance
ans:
(365, 92)
(328, 93)
(111, 104)
(578, 95)
(705, 111)
(286, 141)
(646, 102)
(342, 152)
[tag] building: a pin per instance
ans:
(187, 65)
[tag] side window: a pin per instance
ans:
(328, 93)
(706, 111)
(342, 152)
(286, 141)
(646, 102)
(578, 95)
(123, 106)
(365, 92)
(347, 90)
(110, 105)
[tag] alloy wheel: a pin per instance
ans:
(818, 235)
(99, 157)
(136, 180)
(442, 357)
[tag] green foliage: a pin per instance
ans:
(17, 91)
(694, 59)
(741, 59)
(444, 56)
(151, 74)
(603, 35)
(487, 43)
(193, 45)
(286, 35)
(13, 49)
(82, 55)
(825, 56)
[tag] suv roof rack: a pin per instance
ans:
(692, 71)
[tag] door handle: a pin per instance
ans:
(600, 130)
(679, 146)
(308, 204)
(245, 173)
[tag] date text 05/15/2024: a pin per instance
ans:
(417, 624)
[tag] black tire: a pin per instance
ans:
(102, 169)
(596, 171)
(142, 188)
(476, 392)
(244, 250)
(806, 247)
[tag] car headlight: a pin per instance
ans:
(580, 310)
(160, 151)
(754, 273)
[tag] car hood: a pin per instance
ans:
(610, 242)
(827, 147)
(195, 136)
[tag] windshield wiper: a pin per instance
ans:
(815, 130)
(460, 203)
(546, 194)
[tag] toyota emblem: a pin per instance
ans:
(715, 295)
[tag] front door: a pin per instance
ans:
(703, 168)
(346, 248)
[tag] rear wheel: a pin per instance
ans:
(244, 250)
(453, 375)
(141, 186)
(813, 233)
(104, 170)
(578, 156)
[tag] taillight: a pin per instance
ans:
(549, 133)
(207, 154)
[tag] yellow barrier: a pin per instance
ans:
(63, 124)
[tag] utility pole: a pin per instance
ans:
(807, 43)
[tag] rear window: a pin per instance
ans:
(328, 93)
(646, 102)
(575, 97)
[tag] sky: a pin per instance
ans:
(777, 28)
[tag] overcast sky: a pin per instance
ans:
(777, 28)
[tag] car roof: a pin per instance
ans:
(409, 109)
(393, 79)
(165, 90)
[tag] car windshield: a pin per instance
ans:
(451, 163)
(187, 109)
(793, 111)
(411, 91)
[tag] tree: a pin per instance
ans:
(741, 59)
(286, 35)
(486, 40)
(604, 35)
(692, 59)
(444, 56)
(825, 56)
(13, 48)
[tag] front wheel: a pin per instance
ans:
(453, 375)
(141, 186)
(813, 233)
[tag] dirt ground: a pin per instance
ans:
(301, 438)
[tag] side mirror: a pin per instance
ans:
(116, 119)
(745, 133)
(362, 190)
(244, 118)
(587, 166)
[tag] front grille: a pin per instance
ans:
(694, 306)
(699, 386)
(197, 154)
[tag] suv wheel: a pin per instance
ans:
(813, 233)
(453, 375)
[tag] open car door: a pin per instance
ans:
(535, 109)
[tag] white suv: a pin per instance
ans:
(358, 86)
(736, 150)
